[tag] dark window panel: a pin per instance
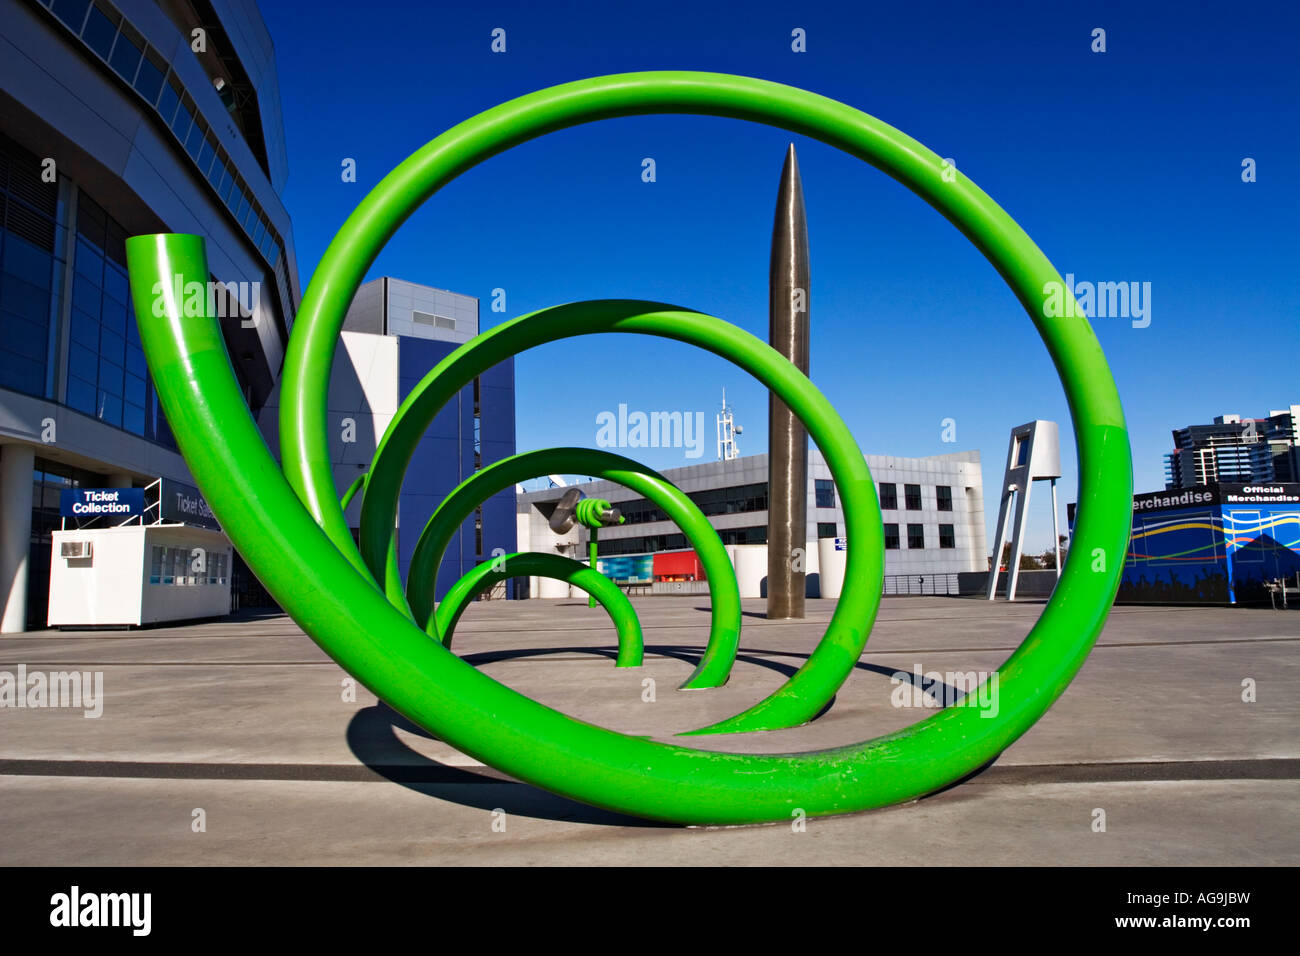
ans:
(99, 31)
(72, 12)
(194, 142)
(133, 418)
(85, 329)
(944, 495)
(126, 55)
(22, 298)
(116, 285)
(184, 118)
(133, 390)
(149, 81)
(916, 536)
(87, 295)
(32, 264)
(110, 408)
(824, 493)
(24, 338)
(135, 363)
(114, 319)
(913, 494)
(889, 496)
(110, 377)
(91, 220)
(115, 243)
(891, 537)
(167, 103)
(83, 362)
(81, 395)
(21, 374)
(947, 536)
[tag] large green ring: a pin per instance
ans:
(328, 593)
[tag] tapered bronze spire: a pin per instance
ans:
(787, 443)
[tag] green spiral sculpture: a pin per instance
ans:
(288, 522)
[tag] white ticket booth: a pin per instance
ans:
(131, 574)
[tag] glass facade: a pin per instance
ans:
(111, 37)
(28, 240)
(106, 374)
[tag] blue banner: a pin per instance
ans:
(111, 503)
(183, 504)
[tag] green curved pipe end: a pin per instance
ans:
(631, 645)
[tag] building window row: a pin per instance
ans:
(714, 501)
(672, 542)
(916, 537)
(912, 497)
(111, 37)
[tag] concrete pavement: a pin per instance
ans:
(245, 720)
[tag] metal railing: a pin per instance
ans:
(936, 584)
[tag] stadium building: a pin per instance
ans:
(116, 119)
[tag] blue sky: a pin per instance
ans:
(1122, 166)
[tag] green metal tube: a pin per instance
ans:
(286, 539)
(591, 556)
(724, 596)
(357, 485)
(815, 683)
(524, 564)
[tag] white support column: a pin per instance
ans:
(16, 466)
(1056, 532)
(1017, 539)
(1000, 538)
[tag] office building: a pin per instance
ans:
(394, 333)
(932, 508)
(1233, 449)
